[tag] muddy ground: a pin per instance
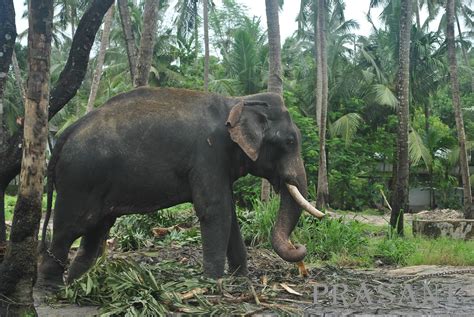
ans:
(328, 291)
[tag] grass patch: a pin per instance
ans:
(442, 251)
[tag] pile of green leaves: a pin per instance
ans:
(125, 287)
(134, 232)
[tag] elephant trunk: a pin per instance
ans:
(287, 218)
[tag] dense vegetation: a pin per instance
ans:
(362, 115)
(362, 147)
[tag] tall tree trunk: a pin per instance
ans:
(464, 53)
(7, 45)
(417, 13)
(73, 19)
(275, 83)
(19, 81)
(128, 36)
(65, 87)
(322, 196)
(453, 73)
(400, 195)
(18, 270)
(104, 43)
(205, 8)
(147, 42)
(196, 29)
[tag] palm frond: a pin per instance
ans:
(384, 96)
(346, 126)
(417, 150)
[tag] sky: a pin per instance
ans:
(355, 9)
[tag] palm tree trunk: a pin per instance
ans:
(322, 196)
(196, 29)
(18, 270)
(205, 9)
(19, 81)
(129, 37)
(464, 53)
(147, 42)
(73, 18)
(400, 195)
(275, 83)
(104, 42)
(453, 73)
(417, 13)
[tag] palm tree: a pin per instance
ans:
(129, 37)
(400, 193)
(453, 73)
(147, 42)
(18, 270)
(275, 83)
(100, 58)
(322, 195)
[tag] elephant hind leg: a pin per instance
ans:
(91, 247)
(53, 260)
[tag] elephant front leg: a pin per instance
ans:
(215, 223)
(212, 199)
(236, 250)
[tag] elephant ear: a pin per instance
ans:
(246, 124)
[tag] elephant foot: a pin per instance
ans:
(240, 270)
(76, 270)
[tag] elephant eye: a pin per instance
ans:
(290, 140)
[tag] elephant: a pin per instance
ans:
(153, 148)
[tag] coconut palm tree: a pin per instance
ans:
(400, 193)
(453, 73)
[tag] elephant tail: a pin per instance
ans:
(49, 205)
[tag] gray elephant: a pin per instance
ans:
(149, 149)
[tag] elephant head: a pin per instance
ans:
(261, 125)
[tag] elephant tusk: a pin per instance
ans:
(302, 202)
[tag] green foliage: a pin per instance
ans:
(394, 251)
(256, 225)
(125, 287)
(332, 237)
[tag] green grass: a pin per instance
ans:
(350, 243)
